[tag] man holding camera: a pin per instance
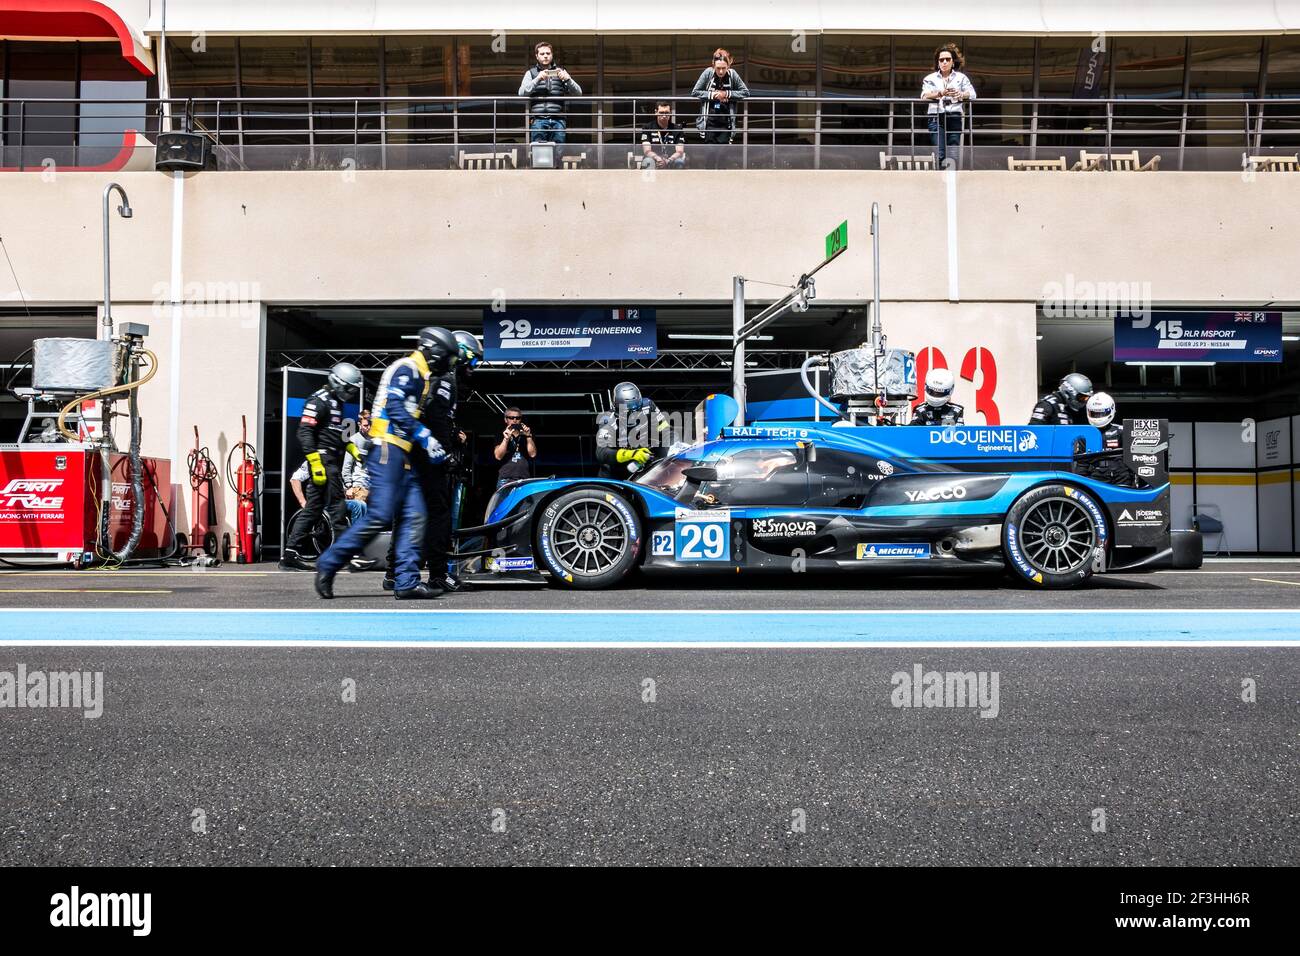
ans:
(516, 449)
(546, 85)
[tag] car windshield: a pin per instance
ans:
(749, 464)
(667, 475)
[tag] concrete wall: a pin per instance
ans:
(997, 243)
(451, 236)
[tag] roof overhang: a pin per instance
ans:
(73, 20)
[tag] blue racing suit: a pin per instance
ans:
(395, 500)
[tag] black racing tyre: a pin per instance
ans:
(1051, 536)
(588, 538)
(320, 539)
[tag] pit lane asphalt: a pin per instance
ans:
(1226, 584)
(586, 771)
(562, 747)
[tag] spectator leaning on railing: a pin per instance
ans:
(546, 84)
(720, 88)
(663, 142)
(947, 88)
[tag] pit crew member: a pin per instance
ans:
(320, 433)
(938, 408)
(395, 499)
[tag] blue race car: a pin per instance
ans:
(1043, 502)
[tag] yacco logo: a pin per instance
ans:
(869, 551)
(29, 493)
(946, 493)
(986, 439)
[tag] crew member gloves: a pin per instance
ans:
(318, 476)
(638, 455)
(432, 447)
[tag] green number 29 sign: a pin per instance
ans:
(838, 240)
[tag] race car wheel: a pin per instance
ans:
(588, 538)
(1051, 536)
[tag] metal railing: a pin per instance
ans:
(816, 132)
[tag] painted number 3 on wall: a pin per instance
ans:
(979, 362)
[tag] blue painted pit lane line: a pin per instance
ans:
(497, 628)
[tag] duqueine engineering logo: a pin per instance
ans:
(986, 439)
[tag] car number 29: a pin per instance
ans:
(703, 541)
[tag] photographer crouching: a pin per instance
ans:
(516, 449)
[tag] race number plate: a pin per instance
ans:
(703, 535)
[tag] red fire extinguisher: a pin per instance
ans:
(203, 480)
(246, 481)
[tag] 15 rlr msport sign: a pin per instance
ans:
(1199, 337)
(553, 335)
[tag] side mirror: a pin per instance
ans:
(701, 473)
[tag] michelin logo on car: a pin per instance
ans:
(868, 551)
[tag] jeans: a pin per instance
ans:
(950, 137)
(394, 494)
(436, 547)
(548, 129)
(674, 162)
(356, 510)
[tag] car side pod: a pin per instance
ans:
(1187, 548)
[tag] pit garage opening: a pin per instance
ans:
(1235, 424)
(560, 399)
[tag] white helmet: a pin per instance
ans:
(345, 380)
(1101, 409)
(938, 386)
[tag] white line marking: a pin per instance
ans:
(1294, 584)
(405, 612)
(1270, 571)
(655, 645)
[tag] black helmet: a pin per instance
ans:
(438, 346)
(345, 380)
(1076, 389)
(469, 350)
